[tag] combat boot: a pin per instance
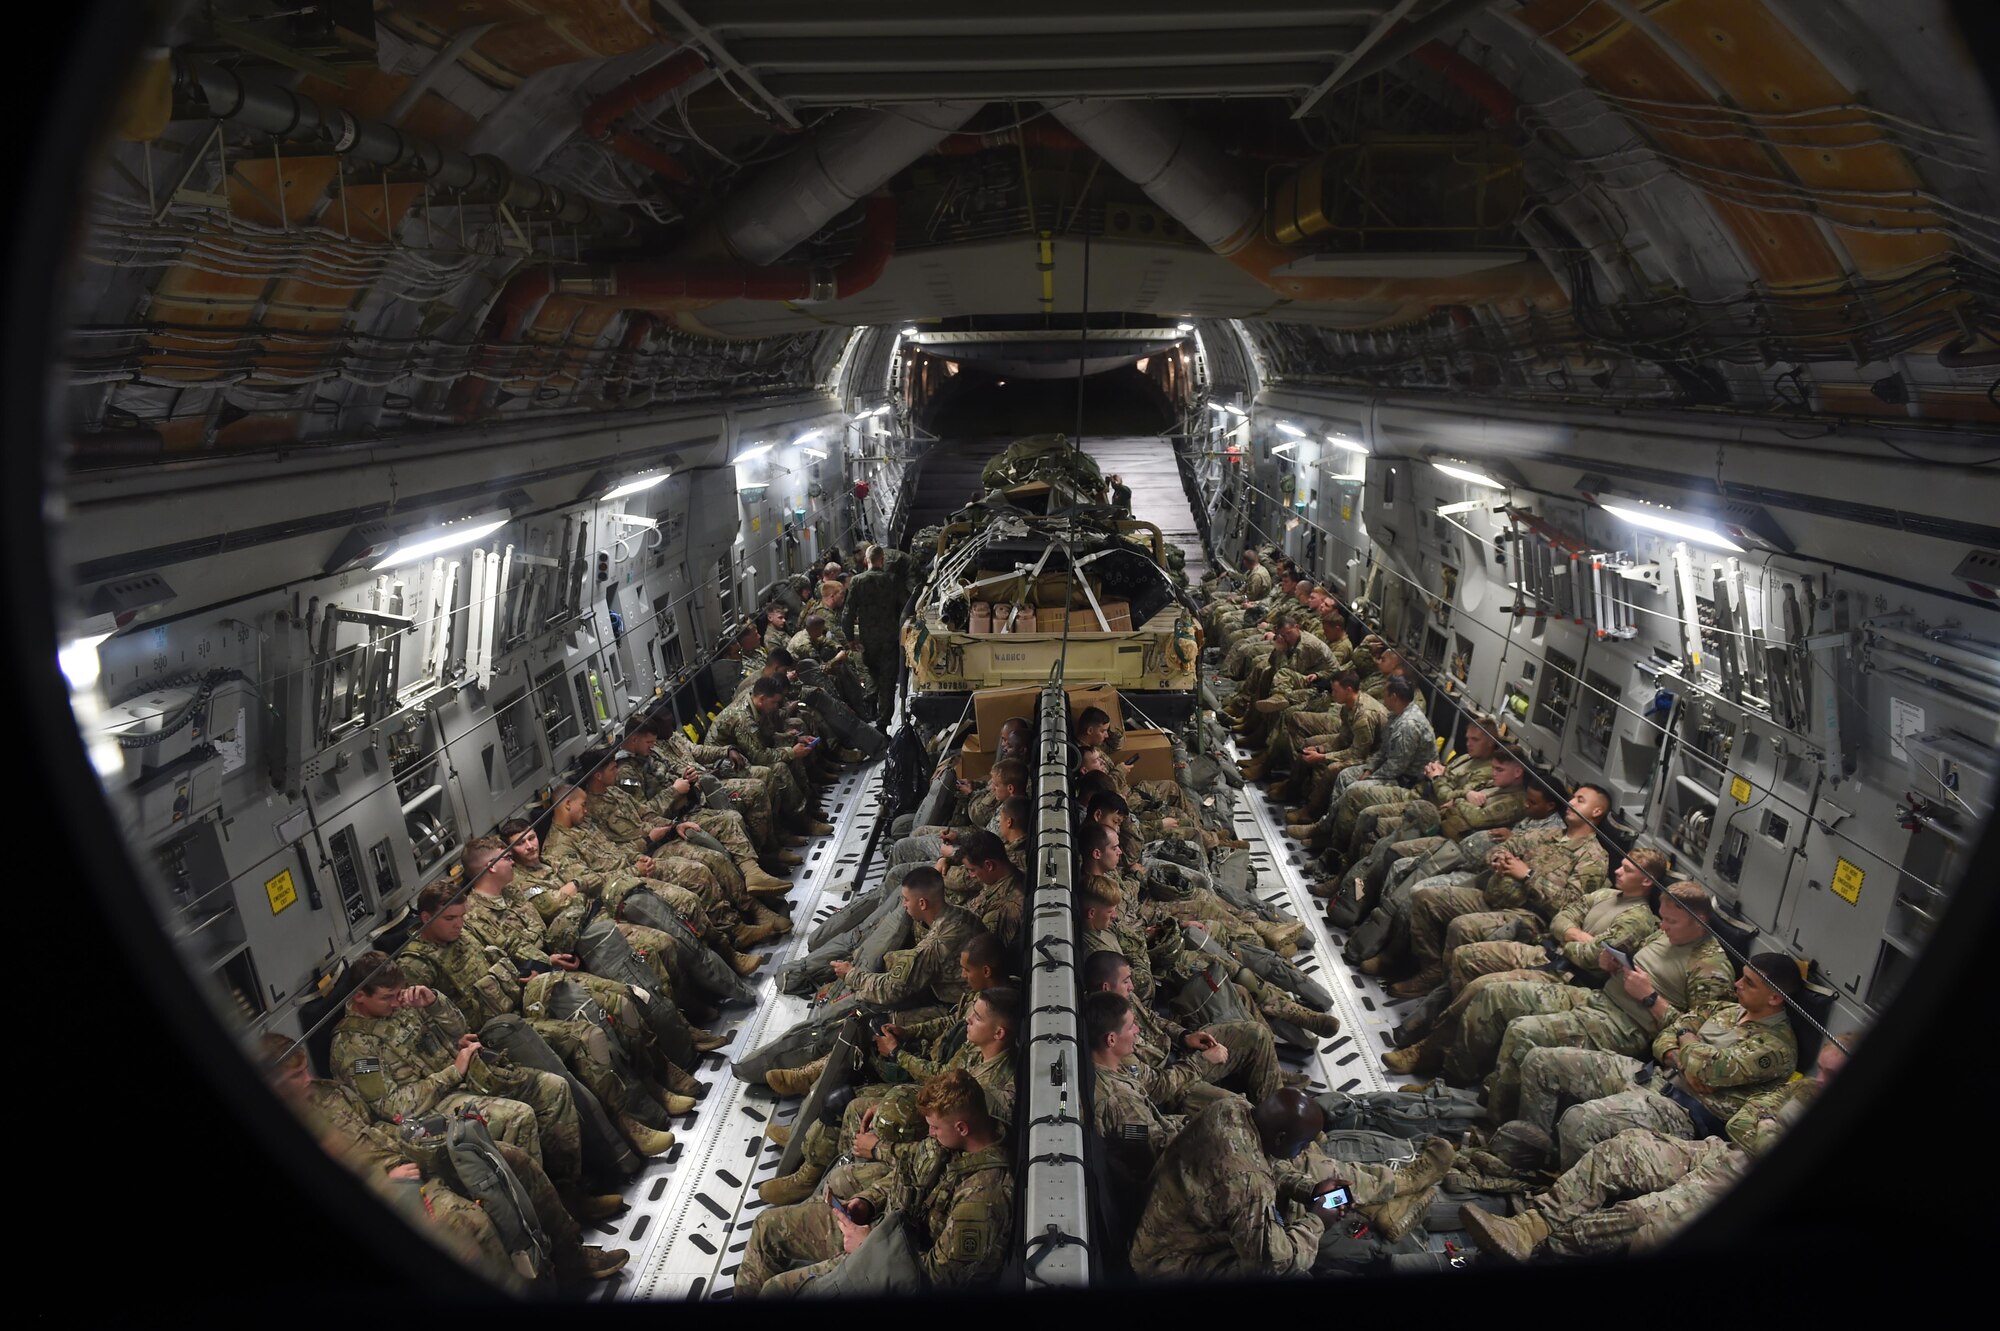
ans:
(1523, 1147)
(1280, 934)
(1430, 1166)
(646, 1141)
(744, 963)
(680, 1082)
(707, 1042)
(1512, 1237)
(749, 935)
(851, 756)
(1272, 706)
(781, 1133)
(1417, 985)
(584, 1264)
(1402, 1213)
(589, 1208)
(1418, 1058)
(789, 859)
(1378, 964)
(757, 881)
(792, 842)
(794, 1187)
(1256, 768)
(674, 1104)
(814, 827)
(1300, 831)
(795, 1081)
(1279, 1007)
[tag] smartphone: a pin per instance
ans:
(1624, 959)
(811, 741)
(1334, 1199)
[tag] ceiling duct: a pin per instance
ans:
(209, 91)
(1189, 177)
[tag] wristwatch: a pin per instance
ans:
(1650, 999)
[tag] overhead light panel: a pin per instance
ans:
(1462, 506)
(1345, 444)
(77, 658)
(1672, 524)
(1278, 450)
(1464, 473)
(814, 453)
(911, 331)
(638, 486)
(439, 539)
(1286, 427)
(809, 436)
(747, 454)
(1183, 328)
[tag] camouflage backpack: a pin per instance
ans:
(458, 1149)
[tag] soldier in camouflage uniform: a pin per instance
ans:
(1620, 916)
(576, 852)
(1633, 1191)
(753, 726)
(1536, 875)
(1178, 1068)
(1680, 970)
(735, 811)
(1126, 1097)
(769, 798)
(1323, 756)
(1296, 655)
(927, 973)
(1396, 830)
(1359, 819)
(955, 1190)
(335, 1113)
(407, 1051)
(1217, 1204)
(1406, 745)
(1001, 900)
(873, 612)
(442, 957)
(623, 817)
(1709, 1067)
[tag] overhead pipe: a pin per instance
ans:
(207, 90)
(1183, 172)
(1946, 653)
(599, 119)
(1035, 134)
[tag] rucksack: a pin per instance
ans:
(885, 1265)
(1351, 1246)
(1365, 1146)
(1436, 1111)
(458, 1149)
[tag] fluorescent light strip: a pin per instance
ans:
(1462, 506)
(1468, 474)
(749, 453)
(1278, 449)
(814, 452)
(1662, 521)
(1286, 427)
(635, 487)
(1345, 444)
(449, 539)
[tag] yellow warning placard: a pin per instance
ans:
(280, 890)
(1739, 790)
(1847, 881)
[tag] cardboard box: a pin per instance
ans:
(1154, 750)
(1048, 621)
(1094, 693)
(991, 709)
(1083, 621)
(975, 763)
(1118, 614)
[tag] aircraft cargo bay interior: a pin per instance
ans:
(723, 650)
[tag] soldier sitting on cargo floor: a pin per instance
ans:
(373, 1149)
(978, 807)
(955, 1191)
(1633, 1191)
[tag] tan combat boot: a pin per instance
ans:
(789, 859)
(707, 1042)
(818, 828)
(674, 1104)
(1418, 1058)
(795, 1081)
(1417, 985)
(1378, 964)
(1402, 1213)
(794, 1187)
(749, 935)
(585, 1264)
(1272, 706)
(1301, 831)
(757, 881)
(589, 1208)
(792, 842)
(763, 914)
(780, 1133)
(1280, 1007)
(646, 1141)
(1281, 934)
(1514, 1238)
(851, 756)
(1430, 1167)
(744, 963)
(1256, 768)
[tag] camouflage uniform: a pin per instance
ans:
(1123, 1108)
(726, 825)
(1128, 943)
(1607, 915)
(1516, 1018)
(930, 968)
(1634, 1191)
(1562, 870)
(625, 820)
(1732, 1058)
(1165, 1060)
(1408, 746)
(742, 727)
(959, 1205)
(403, 1065)
(1363, 722)
(1000, 907)
(1213, 1208)
(484, 988)
(1369, 802)
(600, 869)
